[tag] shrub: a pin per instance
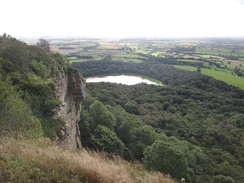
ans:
(16, 116)
(51, 127)
(39, 68)
(223, 179)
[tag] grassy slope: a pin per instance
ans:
(25, 161)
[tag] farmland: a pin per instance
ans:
(226, 77)
(222, 59)
(188, 68)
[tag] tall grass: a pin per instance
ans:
(52, 163)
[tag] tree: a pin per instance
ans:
(44, 44)
(144, 136)
(101, 115)
(165, 157)
(107, 140)
(132, 108)
(223, 179)
(177, 158)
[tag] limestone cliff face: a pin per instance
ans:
(70, 91)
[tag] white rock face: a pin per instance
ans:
(70, 91)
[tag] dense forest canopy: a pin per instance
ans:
(192, 127)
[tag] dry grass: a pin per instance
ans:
(88, 166)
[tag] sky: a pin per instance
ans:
(122, 18)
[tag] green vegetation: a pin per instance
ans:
(16, 116)
(28, 80)
(27, 88)
(188, 68)
(223, 76)
(190, 129)
(132, 60)
(157, 53)
(189, 60)
(192, 122)
(219, 75)
(178, 158)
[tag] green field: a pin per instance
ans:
(75, 59)
(234, 64)
(204, 56)
(219, 75)
(226, 77)
(143, 51)
(220, 52)
(188, 68)
(157, 53)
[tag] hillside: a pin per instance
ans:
(39, 92)
(40, 106)
(42, 161)
(192, 127)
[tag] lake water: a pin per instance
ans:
(123, 79)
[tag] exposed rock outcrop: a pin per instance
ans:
(70, 91)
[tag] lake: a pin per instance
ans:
(123, 79)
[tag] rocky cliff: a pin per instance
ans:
(70, 91)
(40, 92)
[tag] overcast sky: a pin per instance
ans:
(122, 18)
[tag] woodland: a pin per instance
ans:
(191, 127)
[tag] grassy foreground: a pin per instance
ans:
(42, 161)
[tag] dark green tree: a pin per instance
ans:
(132, 108)
(107, 140)
(167, 158)
(223, 179)
(101, 116)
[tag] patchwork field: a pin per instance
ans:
(222, 59)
